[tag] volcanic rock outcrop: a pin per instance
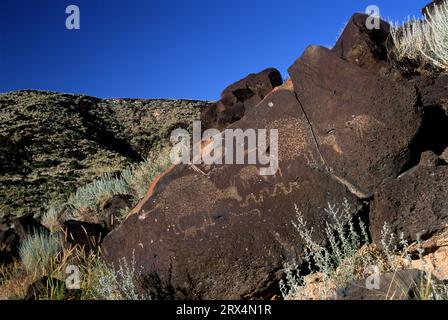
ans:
(225, 231)
(199, 234)
(239, 98)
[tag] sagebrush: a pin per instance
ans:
(38, 251)
(424, 41)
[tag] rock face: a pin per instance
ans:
(416, 203)
(229, 236)
(239, 98)
(363, 136)
(52, 143)
(362, 46)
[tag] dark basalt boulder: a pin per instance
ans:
(113, 208)
(364, 123)
(225, 231)
(362, 46)
(433, 90)
(239, 98)
(12, 232)
(415, 204)
(9, 244)
(87, 236)
(26, 225)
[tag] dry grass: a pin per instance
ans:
(14, 281)
(424, 41)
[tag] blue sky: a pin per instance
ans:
(177, 49)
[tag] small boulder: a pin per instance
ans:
(433, 90)
(362, 46)
(87, 236)
(112, 209)
(444, 155)
(26, 225)
(429, 159)
(9, 244)
(240, 97)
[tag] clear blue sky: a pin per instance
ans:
(165, 48)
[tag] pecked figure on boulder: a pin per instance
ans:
(225, 232)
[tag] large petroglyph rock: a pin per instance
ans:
(227, 232)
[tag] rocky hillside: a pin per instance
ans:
(52, 143)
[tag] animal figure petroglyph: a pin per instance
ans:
(363, 124)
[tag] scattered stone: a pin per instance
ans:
(429, 159)
(112, 210)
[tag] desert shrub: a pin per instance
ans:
(424, 41)
(38, 251)
(350, 255)
(341, 261)
(134, 181)
(93, 193)
(115, 283)
(140, 177)
(50, 218)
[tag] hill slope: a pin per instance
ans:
(51, 143)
